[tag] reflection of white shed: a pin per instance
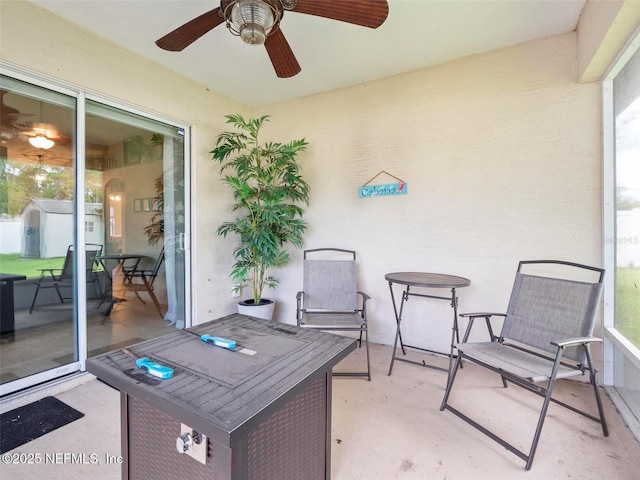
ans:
(48, 227)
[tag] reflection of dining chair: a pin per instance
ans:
(124, 263)
(63, 277)
(146, 280)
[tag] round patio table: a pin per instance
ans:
(428, 281)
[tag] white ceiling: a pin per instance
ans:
(416, 34)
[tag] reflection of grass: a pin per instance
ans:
(628, 303)
(13, 263)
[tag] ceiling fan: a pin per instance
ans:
(11, 126)
(257, 22)
(44, 135)
(48, 159)
(40, 135)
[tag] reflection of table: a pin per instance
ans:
(124, 260)
(424, 280)
(264, 416)
(7, 311)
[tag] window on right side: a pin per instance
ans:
(621, 95)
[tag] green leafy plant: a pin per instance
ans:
(268, 189)
(155, 230)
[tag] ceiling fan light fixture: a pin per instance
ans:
(251, 20)
(42, 142)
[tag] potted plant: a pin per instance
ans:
(268, 189)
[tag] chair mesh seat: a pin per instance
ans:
(337, 321)
(517, 362)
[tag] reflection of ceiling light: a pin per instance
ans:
(41, 141)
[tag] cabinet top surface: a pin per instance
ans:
(223, 388)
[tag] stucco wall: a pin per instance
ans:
(501, 152)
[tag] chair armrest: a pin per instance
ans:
(49, 271)
(570, 342)
(363, 307)
(482, 314)
(486, 315)
(299, 296)
(364, 296)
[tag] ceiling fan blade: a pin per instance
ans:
(282, 57)
(185, 35)
(367, 13)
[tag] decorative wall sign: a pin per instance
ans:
(382, 190)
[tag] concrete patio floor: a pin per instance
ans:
(389, 428)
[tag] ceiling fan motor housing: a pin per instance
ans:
(252, 20)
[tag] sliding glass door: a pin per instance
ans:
(92, 207)
(38, 250)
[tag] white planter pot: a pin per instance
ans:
(264, 310)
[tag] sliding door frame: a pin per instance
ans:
(80, 301)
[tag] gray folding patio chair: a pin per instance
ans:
(330, 299)
(59, 278)
(546, 335)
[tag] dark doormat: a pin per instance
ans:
(29, 422)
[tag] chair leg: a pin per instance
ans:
(139, 297)
(543, 412)
(592, 377)
(58, 292)
(96, 288)
(536, 436)
(490, 329)
(452, 376)
(366, 337)
(33, 302)
(155, 302)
